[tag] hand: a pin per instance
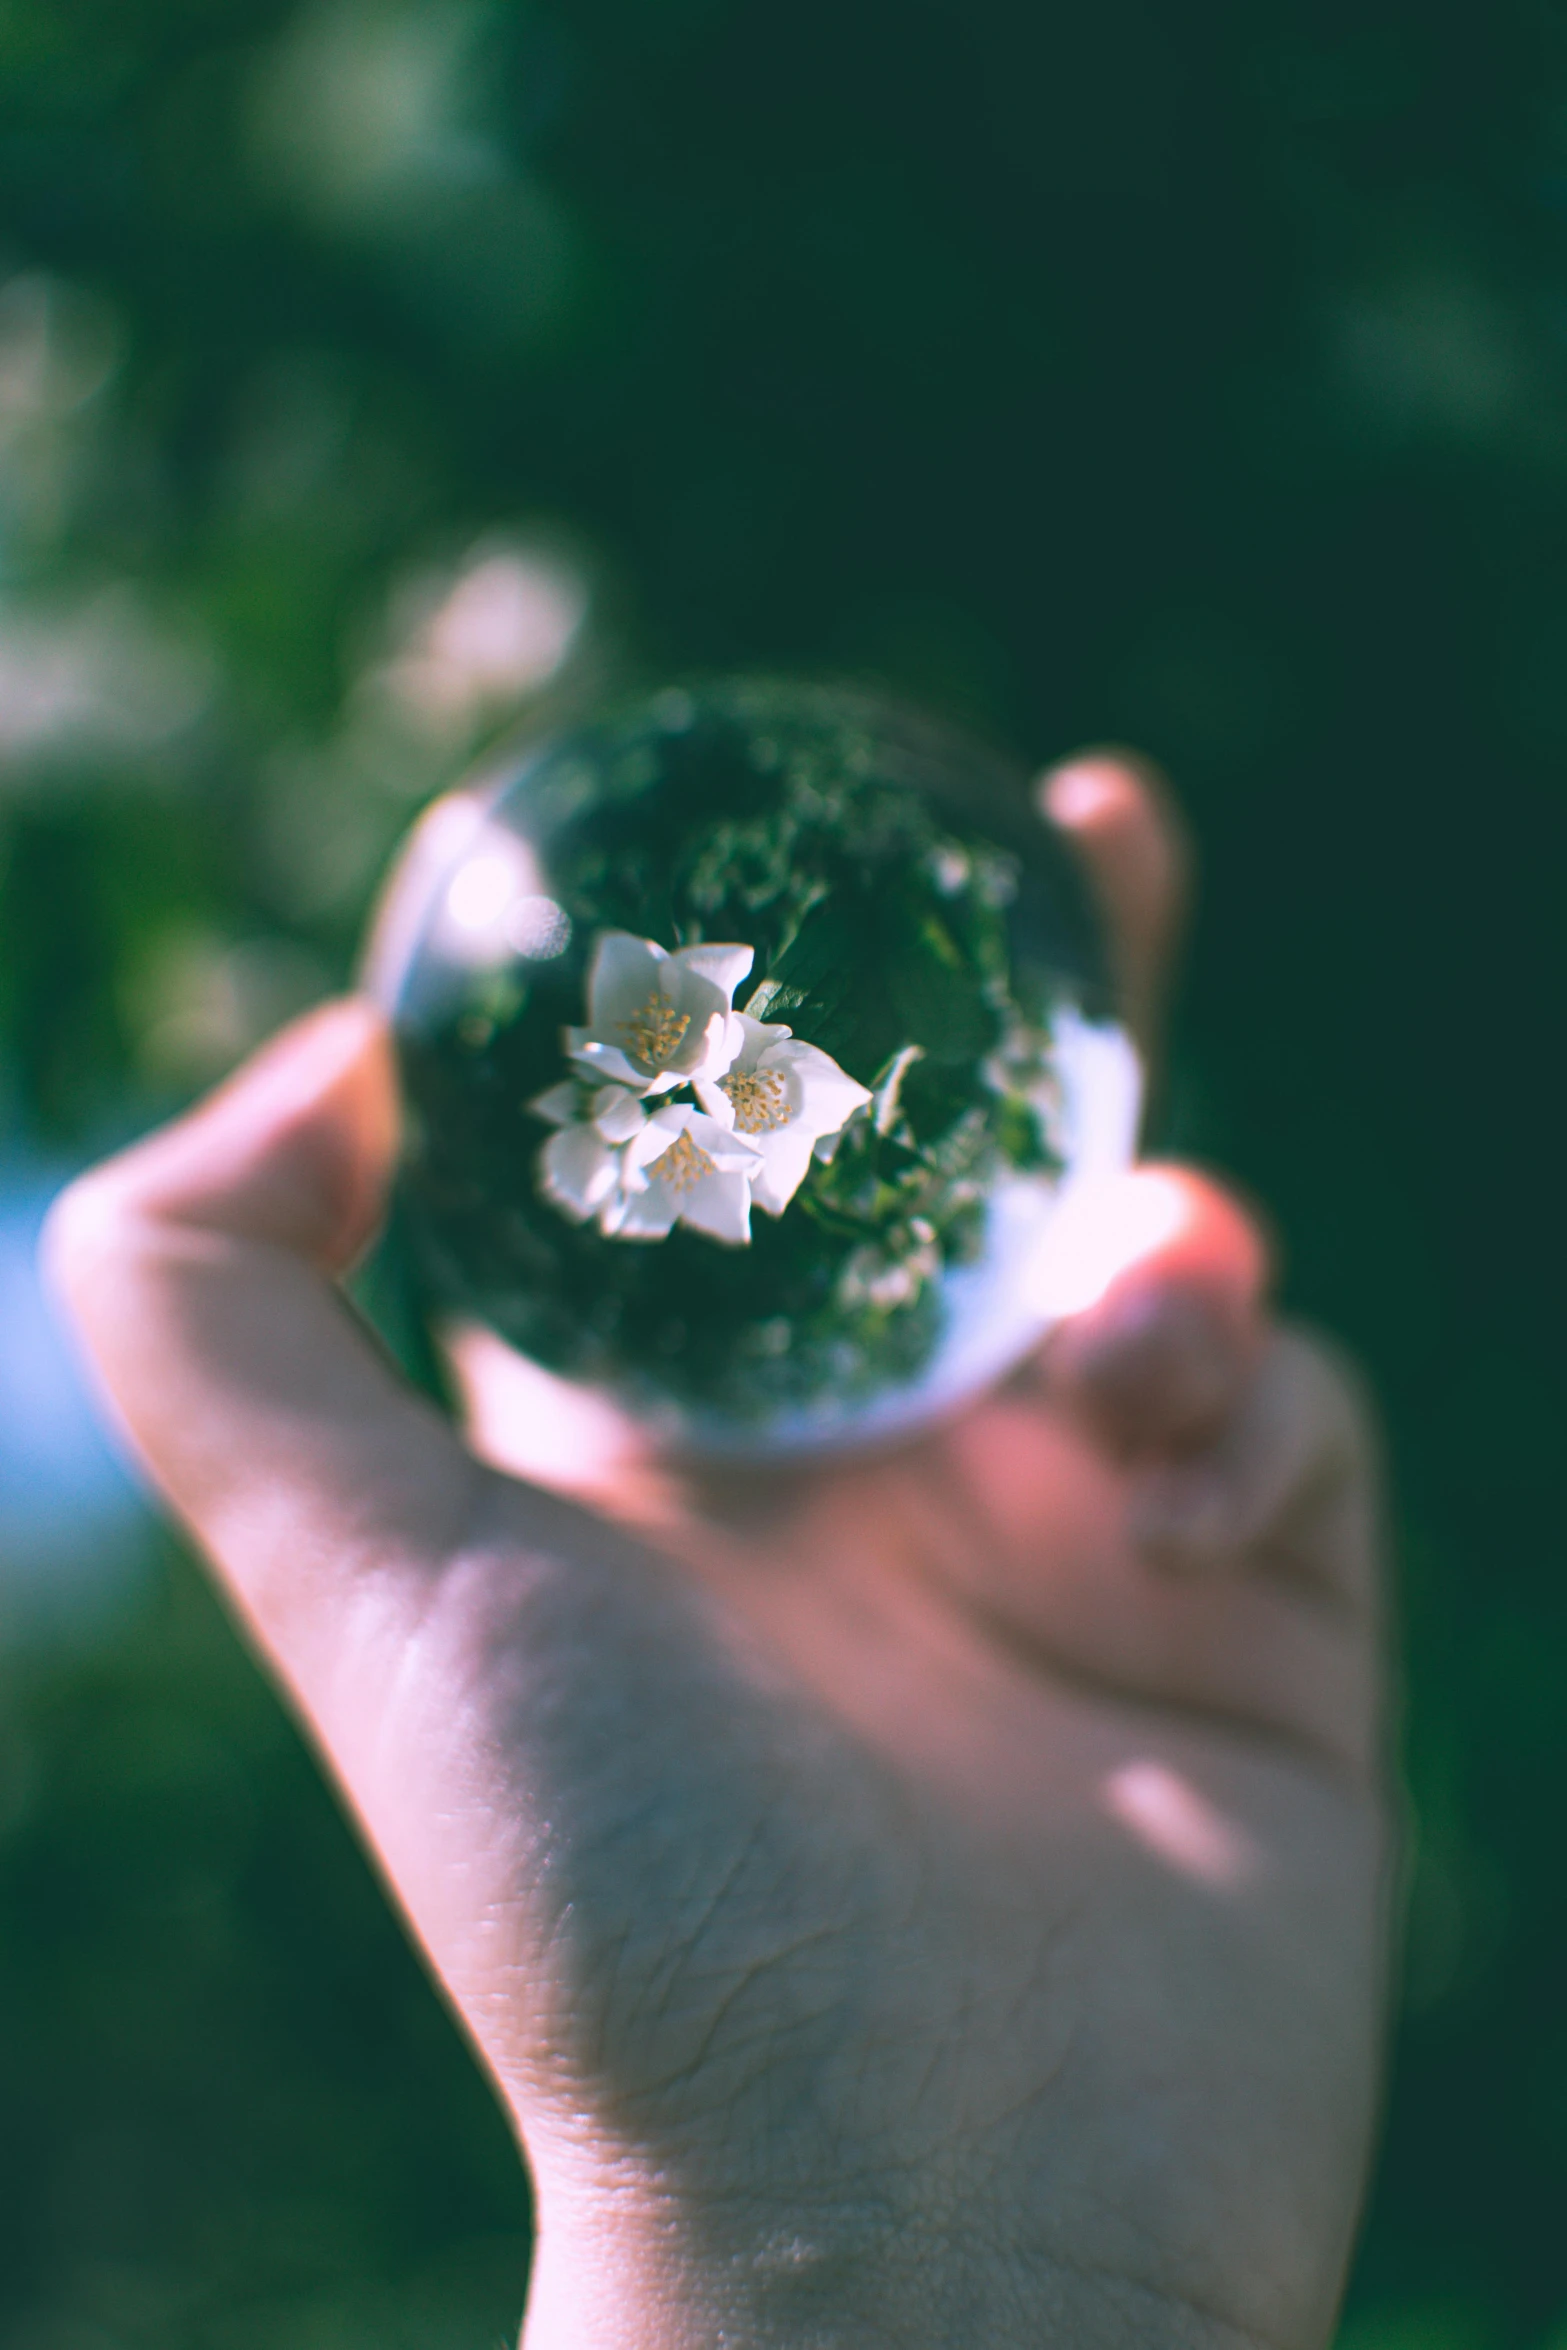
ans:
(941, 1899)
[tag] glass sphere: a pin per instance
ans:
(750, 1036)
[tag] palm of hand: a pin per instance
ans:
(927, 1833)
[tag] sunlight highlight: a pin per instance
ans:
(1167, 1815)
(1099, 1231)
(525, 1421)
(494, 907)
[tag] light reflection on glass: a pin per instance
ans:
(493, 907)
(1102, 1225)
(539, 929)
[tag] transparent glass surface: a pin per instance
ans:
(620, 1157)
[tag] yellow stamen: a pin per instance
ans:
(758, 1097)
(684, 1163)
(656, 1030)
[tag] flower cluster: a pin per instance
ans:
(629, 1157)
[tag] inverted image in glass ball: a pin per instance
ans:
(750, 1037)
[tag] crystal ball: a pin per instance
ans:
(751, 1035)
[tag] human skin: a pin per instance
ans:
(937, 1899)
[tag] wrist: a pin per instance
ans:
(628, 2272)
(632, 2269)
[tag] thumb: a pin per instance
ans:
(197, 1270)
(295, 1149)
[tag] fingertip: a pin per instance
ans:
(1169, 1319)
(297, 1146)
(294, 1147)
(1119, 807)
(1094, 790)
(1213, 1237)
(337, 1054)
(1119, 814)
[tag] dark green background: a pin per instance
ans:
(1191, 375)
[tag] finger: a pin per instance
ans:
(1283, 1637)
(1288, 1487)
(1161, 1275)
(197, 1268)
(1119, 815)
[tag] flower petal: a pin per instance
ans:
(656, 1134)
(559, 1105)
(577, 1170)
(758, 1037)
(829, 1095)
(625, 972)
(648, 1215)
(720, 1205)
(722, 966)
(826, 1148)
(719, 1044)
(786, 1156)
(618, 1113)
(726, 1150)
(601, 1061)
(713, 1139)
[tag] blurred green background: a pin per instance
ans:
(375, 374)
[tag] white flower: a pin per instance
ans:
(579, 1172)
(784, 1097)
(657, 1020)
(684, 1168)
(637, 1175)
(583, 1168)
